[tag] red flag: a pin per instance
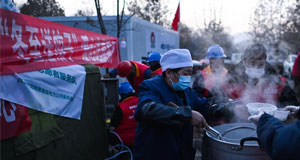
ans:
(176, 19)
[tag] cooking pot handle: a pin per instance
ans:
(240, 147)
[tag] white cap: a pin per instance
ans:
(176, 58)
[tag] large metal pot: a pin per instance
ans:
(238, 142)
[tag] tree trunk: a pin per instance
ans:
(100, 20)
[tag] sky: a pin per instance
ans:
(234, 14)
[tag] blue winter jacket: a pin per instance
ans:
(280, 141)
(163, 131)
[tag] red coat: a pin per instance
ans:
(139, 77)
(211, 79)
(126, 129)
(296, 68)
(266, 92)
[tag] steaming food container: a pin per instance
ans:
(237, 141)
(255, 108)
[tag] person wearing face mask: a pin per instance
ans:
(168, 110)
(255, 80)
(154, 64)
(209, 81)
(280, 140)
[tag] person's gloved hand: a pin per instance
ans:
(255, 118)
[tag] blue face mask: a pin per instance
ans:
(183, 83)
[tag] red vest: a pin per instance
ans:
(139, 75)
(296, 67)
(211, 79)
(156, 72)
(267, 92)
(126, 130)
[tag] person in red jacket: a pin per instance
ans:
(135, 72)
(154, 63)
(122, 121)
(296, 76)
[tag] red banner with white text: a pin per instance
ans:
(14, 119)
(29, 44)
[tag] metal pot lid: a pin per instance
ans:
(234, 132)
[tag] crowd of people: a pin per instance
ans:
(160, 105)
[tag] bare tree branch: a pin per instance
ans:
(100, 20)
